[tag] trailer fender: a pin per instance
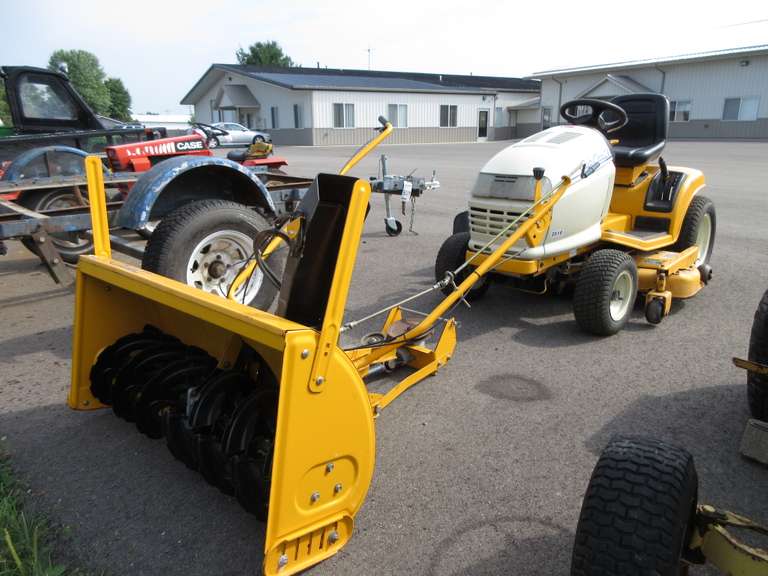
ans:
(183, 179)
(45, 162)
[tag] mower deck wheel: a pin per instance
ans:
(206, 243)
(638, 511)
(451, 255)
(757, 385)
(605, 292)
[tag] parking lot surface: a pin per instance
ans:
(480, 470)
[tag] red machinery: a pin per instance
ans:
(141, 156)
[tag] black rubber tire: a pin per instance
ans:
(461, 222)
(757, 385)
(451, 255)
(213, 142)
(41, 200)
(637, 512)
(393, 231)
(168, 249)
(699, 206)
(594, 288)
(257, 139)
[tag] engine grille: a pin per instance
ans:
(490, 221)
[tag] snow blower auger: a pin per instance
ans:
(267, 407)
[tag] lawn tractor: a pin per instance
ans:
(628, 223)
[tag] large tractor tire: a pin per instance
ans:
(206, 243)
(451, 255)
(757, 385)
(637, 513)
(699, 226)
(71, 245)
(605, 292)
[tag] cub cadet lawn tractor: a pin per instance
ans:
(628, 224)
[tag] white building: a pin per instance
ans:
(314, 106)
(722, 94)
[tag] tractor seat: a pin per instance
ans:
(645, 134)
(237, 155)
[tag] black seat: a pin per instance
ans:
(237, 155)
(645, 135)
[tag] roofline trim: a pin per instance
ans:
(694, 56)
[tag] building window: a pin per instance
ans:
(297, 120)
(343, 115)
(275, 117)
(448, 115)
(498, 116)
(679, 110)
(546, 118)
(397, 114)
(744, 108)
(213, 110)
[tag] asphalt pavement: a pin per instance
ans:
(481, 469)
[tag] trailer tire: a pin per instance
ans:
(699, 227)
(195, 237)
(605, 292)
(451, 255)
(757, 385)
(638, 511)
(69, 245)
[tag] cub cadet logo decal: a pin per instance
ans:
(187, 146)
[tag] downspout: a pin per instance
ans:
(559, 100)
(663, 79)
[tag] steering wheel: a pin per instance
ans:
(594, 119)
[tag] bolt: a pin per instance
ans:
(86, 402)
(41, 240)
(333, 537)
(304, 354)
(282, 561)
(329, 468)
(337, 488)
(377, 410)
(314, 497)
(56, 261)
(319, 381)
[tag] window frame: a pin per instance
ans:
(298, 120)
(346, 108)
(274, 117)
(673, 110)
(452, 116)
(397, 120)
(738, 113)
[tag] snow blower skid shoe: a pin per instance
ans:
(267, 408)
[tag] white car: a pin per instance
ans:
(239, 135)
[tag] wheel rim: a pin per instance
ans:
(212, 143)
(620, 295)
(65, 240)
(215, 262)
(703, 237)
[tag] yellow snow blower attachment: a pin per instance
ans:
(267, 407)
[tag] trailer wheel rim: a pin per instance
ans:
(64, 239)
(703, 238)
(620, 295)
(215, 262)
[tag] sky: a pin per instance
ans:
(161, 48)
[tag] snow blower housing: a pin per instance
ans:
(627, 224)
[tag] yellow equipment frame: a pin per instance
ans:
(325, 441)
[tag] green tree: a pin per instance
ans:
(5, 111)
(120, 100)
(264, 54)
(87, 76)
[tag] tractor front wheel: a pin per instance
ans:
(638, 511)
(605, 292)
(206, 243)
(451, 255)
(757, 385)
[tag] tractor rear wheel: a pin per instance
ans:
(699, 226)
(206, 243)
(451, 255)
(605, 292)
(637, 513)
(757, 385)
